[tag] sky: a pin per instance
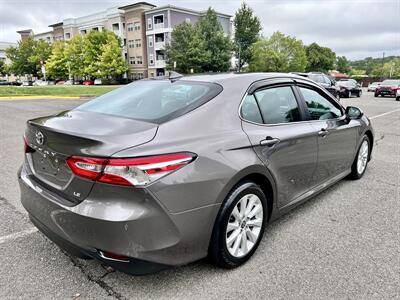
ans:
(353, 28)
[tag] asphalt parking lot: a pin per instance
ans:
(345, 243)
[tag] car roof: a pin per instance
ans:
(244, 78)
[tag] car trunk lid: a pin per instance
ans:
(53, 139)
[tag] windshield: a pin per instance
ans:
(346, 83)
(391, 82)
(154, 101)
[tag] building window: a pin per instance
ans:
(150, 41)
(83, 31)
(95, 28)
(151, 59)
(130, 26)
(139, 60)
(132, 60)
(138, 43)
(152, 74)
(67, 36)
(131, 44)
(136, 25)
(149, 25)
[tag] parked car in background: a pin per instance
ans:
(388, 87)
(60, 82)
(27, 83)
(4, 82)
(349, 79)
(323, 80)
(88, 82)
(398, 95)
(153, 175)
(40, 83)
(349, 88)
(372, 86)
(69, 82)
(98, 81)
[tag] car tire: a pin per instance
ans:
(397, 98)
(360, 163)
(376, 95)
(359, 94)
(228, 247)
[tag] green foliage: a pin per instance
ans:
(22, 58)
(379, 67)
(203, 47)
(57, 63)
(342, 64)
(279, 53)
(97, 54)
(320, 59)
(3, 68)
(111, 62)
(247, 31)
(186, 49)
(217, 44)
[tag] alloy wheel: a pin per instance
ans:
(244, 225)
(362, 157)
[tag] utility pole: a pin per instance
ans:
(239, 58)
(383, 62)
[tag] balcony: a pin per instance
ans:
(159, 45)
(160, 64)
(158, 26)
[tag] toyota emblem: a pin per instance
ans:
(39, 138)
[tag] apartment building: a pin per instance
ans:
(143, 28)
(160, 21)
(3, 47)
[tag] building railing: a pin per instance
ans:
(159, 45)
(158, 25)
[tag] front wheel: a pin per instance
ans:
(359, 94)
(361, 161)
(397, 98)
(239, 226)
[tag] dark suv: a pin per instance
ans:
(323, 80)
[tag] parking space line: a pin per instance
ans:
(17, 235)
(384, 114)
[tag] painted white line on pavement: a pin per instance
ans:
(17, 235)
(384, 114)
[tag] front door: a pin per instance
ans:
(285, 143)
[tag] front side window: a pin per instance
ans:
(319, 107)
(154, 101)
(278, 105)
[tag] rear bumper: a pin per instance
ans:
(386, 92)
(131, 223)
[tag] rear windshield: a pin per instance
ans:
(391, 82)
(154, 101)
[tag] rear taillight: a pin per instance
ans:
(128, 171)
(27, 148)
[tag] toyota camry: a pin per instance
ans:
(164, 172)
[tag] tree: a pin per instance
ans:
(57, 64)
(247, 31)
(40, 54)
(21, 64)
(342, 64)
(74, 54)
(321, 59)
(217, 43)
(3, 68)
(111, 63)
(187, 49)
(279, 53)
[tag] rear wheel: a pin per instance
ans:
(361, 161)
(239, 226)
(398, 98)
(376, 95)
(359, 94)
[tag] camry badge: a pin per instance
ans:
(39, 138)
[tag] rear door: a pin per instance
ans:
(336, 135)
(274, 122)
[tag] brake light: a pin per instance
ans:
(128, 171)
(27, 148)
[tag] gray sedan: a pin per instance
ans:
(161, 173)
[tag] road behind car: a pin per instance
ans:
(342, 244)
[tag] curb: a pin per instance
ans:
(44, 97)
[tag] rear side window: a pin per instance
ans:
(318, 106)
(154, 101)
(249, 110)
(278, 105)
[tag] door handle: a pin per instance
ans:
(269, 141)
(323, 132)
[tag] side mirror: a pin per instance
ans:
(353, 113)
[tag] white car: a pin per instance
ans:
(372, 86)
(398, 95)
(98, 81)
